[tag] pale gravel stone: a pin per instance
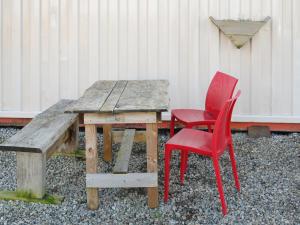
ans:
(268, 170)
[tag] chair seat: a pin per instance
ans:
(194, 116)
(192, 140)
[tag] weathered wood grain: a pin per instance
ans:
(144, 95)
(124, 153)
(43, 131)
(114, 96)
(93, 98)
(91, 163)
(123, 96)
(31, 173)
(121, 180)
(107, 142)
(151, 136)
(119, 118)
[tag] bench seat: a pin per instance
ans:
(49, 132)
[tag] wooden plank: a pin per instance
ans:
(91, 163)
(117, 136)
(68, 142)
(107, 142)
(130, 117)
(114, 97)
(93, 98)
(43, 131)
(144, 95)
(31, 173)
(121, 180)
(151, 135)
(124, 153)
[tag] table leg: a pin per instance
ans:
(151, 135)
(91, 163)
(107, 142)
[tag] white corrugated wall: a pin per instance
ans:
(52, 49)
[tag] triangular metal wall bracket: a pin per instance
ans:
(239, 31)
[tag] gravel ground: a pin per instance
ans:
(268, 170)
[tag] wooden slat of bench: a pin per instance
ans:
(124, 153)
(144, 96)
(114, 97)
(43, 131)
(93, 98)
(121, 180)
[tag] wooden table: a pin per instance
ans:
(121, 102)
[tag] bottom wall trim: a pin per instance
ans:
(286, 127)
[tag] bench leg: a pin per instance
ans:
(107, 140)
(151, 136)
(91, 163)
(74, 137)
(31, 173)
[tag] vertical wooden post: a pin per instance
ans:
(151, 136)
(74, 137)
(31, 173)
(91, 163)
(107, 142)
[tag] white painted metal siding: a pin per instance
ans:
(52, 49)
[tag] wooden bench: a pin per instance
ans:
(51, 131)
(120, 177)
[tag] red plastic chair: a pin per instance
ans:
(220, 90)
(208, 144)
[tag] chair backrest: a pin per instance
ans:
(237, 95)
(220, 90)
(222, 125)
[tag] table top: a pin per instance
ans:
(123, 96)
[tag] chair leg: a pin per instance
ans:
(167, 172)
(172, 126)
(183, 165)
(233, 164)
(185, 156)
(219, 185)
